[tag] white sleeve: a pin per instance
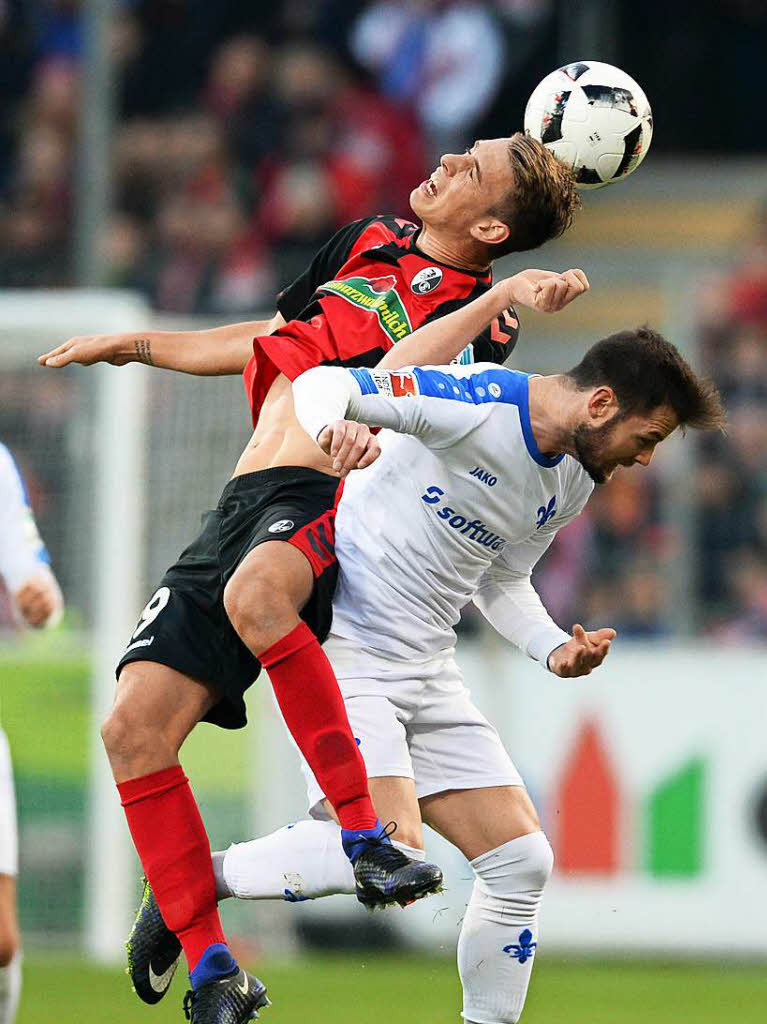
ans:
(23, 556)
(428, 402)
(510, 602)
(507, 597)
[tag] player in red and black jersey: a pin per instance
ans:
(254, 589)
(366, 290)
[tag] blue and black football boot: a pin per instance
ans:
(235, 999)
(384, 874)
(153, 950)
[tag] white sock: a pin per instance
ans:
(299, 862)
(10, 990)
(499, 935)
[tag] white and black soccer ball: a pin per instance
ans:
(593, 117)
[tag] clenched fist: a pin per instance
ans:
(350, 445)
(39, 601)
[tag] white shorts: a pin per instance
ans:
(9, 840)
(415, 720)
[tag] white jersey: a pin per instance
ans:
(460, 505)
(22, 552)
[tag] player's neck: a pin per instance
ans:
(450, 251)
(552, 414)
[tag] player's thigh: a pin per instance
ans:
(394, 800)
(479, 820)
(9, 928)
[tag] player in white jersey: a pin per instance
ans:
(486, 465)
(25, 569)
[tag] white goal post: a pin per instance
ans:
(107, 423)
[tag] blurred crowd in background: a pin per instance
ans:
(247, 133)
(610, 567)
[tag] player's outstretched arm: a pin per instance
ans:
(440, 341)
(217, 351)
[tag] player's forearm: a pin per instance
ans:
(321, 396)
(216, 351)
(515, 610)
(439, 342)
(213, 352)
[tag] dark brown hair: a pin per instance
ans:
(645, 371)
(542, 201)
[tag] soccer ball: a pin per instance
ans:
(593, 117)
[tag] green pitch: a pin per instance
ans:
(383, 989)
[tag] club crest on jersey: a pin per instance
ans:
(379, 296)
(546, 512)
(426, 280)
(281, 526)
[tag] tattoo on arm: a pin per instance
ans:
(143, 351)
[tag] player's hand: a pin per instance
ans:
(38, 601)
(582, 653)
(545, 291)
(350, 445)
(89, 349)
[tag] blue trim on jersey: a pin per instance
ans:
(365, 381)
(496, 385)
(41, 555)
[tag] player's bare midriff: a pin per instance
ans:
(279, 439)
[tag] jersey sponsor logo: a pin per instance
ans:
(281, 526)
(474, 529)
(426, 280)
(546, 512)
(484, 476)
(379, 296)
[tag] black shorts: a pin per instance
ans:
(185, 626)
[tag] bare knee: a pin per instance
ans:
(126, 736)
(259, 607)
(154, 711)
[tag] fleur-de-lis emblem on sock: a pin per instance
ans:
(525, 948)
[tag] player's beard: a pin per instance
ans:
(590, 444)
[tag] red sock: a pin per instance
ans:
(172, 844)
(313, 709)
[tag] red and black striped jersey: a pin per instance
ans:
(364, 291)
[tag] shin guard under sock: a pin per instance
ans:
(314, 712)
(172, 844)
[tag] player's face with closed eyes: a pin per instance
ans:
(622, 441)
(465, 186)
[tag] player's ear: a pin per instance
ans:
(490, 230)
(603, 404)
